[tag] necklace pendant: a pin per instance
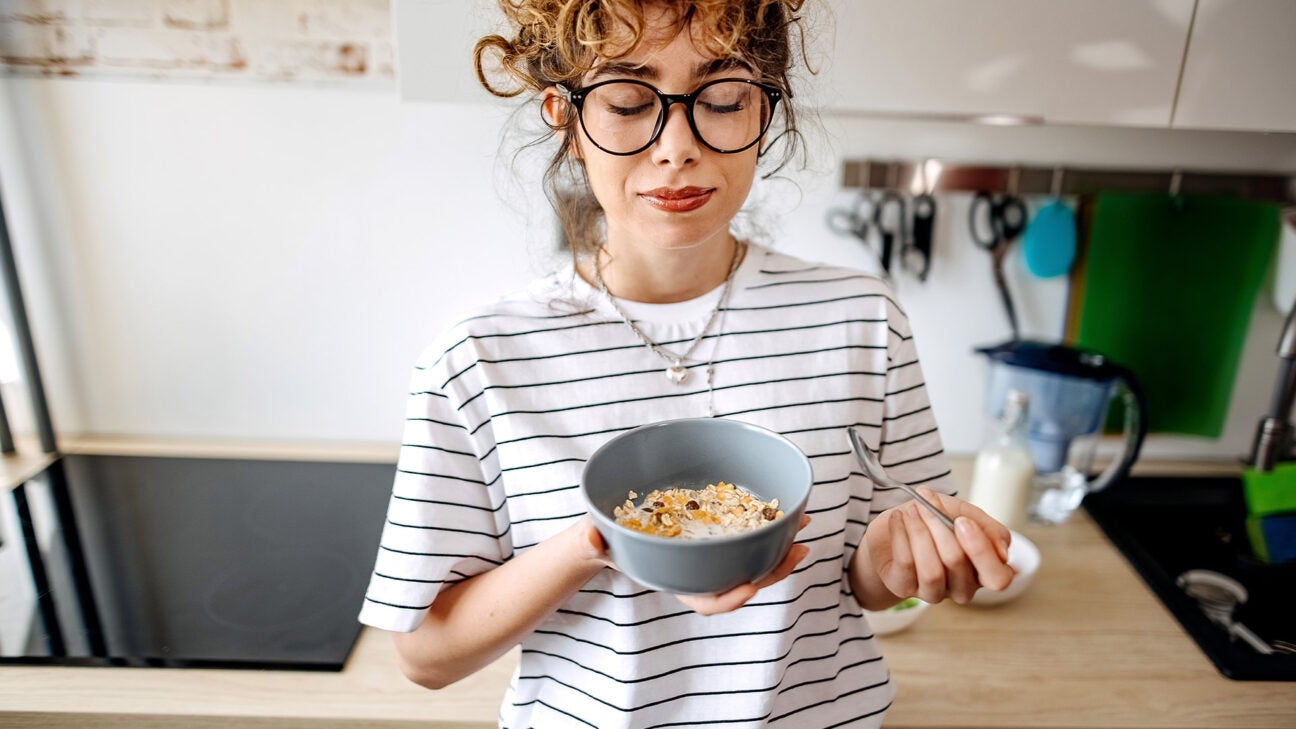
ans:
(677, 373)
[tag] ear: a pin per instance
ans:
(557, 114)
(553, 108)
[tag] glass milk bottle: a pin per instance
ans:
(1004, 474)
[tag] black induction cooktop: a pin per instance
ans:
(188, 562)
(1165, 526)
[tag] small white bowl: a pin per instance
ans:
(1024, 557)
(897, 618)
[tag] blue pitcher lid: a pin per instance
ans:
(1056, 358)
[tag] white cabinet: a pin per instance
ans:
(1110, 62)
(434, 42)
(1240, 69)
(1102, 62)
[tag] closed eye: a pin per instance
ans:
(629, 110)
(733, 108)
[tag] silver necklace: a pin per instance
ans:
(676, 371)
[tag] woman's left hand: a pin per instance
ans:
(738, 596)
(915, 555)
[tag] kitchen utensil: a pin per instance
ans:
(1218, 595)
(859, 221)
(692, 453)
(889, 219)
(1168, 289)
(1004, 217)
(915, 254)
(1069, 390)
(855, 220)
(1049, 243)
(873, 469)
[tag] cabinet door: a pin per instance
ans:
(1065, 61)
(1240, 70)
(434, 42)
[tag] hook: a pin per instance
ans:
(932, 169)
(1176, 180)
(1055, 187)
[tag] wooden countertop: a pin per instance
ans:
(1087, 646)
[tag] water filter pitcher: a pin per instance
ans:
(1069, 391)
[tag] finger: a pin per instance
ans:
(805, 521)
(992, 571)
(794, 556)
(737, 597)
(595, 539)
(888, 550)
(928, 568)
(997, 532)
(960, 575)
(721, 603)
(894, 561)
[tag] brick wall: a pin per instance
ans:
(277, 40)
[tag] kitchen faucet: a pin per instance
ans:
(1273, 441)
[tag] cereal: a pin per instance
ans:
(716, 510)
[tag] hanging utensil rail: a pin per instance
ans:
(1064, 180)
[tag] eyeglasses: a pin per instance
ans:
(625, 117)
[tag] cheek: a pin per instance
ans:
(741, 173)
(609, 178)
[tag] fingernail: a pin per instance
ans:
(963, 526)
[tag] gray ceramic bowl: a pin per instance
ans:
(692, 453)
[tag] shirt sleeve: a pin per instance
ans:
(910, 443)
(446, 521)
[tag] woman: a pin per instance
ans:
(662, 110)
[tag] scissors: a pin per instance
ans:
(915, 253)
(890, 225)
(870, 212)
(854, 221)
(1005, 217)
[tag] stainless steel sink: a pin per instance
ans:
(1165, 526)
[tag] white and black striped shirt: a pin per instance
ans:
(507, 406)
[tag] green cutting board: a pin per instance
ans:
(1168, 288)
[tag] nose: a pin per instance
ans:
(677, 146)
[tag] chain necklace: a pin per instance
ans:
(676, 371)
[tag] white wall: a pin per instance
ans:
(265, 261)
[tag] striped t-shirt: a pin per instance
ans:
(506, 407)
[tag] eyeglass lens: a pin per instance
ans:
(622, 117)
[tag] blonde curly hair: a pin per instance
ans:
(559, 41)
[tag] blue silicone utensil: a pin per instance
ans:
(1049, 243)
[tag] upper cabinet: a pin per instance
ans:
(1215, 64)
(1240, 69)
(1065, 62)
(434, 42)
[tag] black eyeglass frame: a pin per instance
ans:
(577, 99)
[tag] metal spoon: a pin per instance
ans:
(873, 469)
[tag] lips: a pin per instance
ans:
(678, 199)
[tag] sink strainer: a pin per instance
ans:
(1218, 595)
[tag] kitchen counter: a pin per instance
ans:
(1087, 646)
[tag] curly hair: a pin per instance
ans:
(559, 41)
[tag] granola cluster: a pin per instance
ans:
(716, 510)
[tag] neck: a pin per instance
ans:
(663, 276)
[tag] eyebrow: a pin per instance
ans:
(650, 73)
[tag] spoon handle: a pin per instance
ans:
(873, 469)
